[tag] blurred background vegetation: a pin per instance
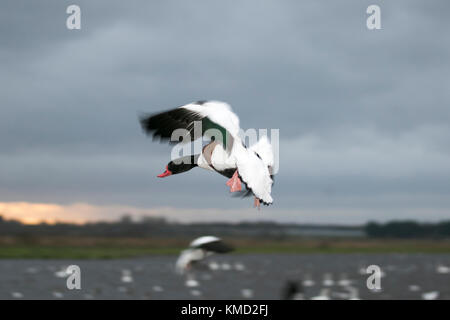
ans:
(149, 235)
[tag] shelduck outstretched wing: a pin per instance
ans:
(253, 172)
(210, 114)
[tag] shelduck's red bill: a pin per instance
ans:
(165, 173)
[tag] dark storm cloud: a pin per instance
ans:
(363, 115)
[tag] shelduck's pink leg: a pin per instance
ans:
(234, 183)
(257, 203)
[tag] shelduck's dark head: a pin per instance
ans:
(179, 165)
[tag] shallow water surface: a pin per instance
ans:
(251, 276)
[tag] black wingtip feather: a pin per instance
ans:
(162, 125)
(248, 192)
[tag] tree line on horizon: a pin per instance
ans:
(159, 226)
(408, 229)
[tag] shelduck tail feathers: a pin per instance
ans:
(264, 150)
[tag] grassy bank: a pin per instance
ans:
(114, 248)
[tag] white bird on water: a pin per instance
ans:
(239, 266)
(323, 295)
(351, 294)
(17, 295)
(413, 287)
(126, 277)
(247, 293)
(344, 281)
(354, 293)
(226, 154)
(191, 282)
(328, 280)
(62, 273)
(225, 266)
(158, 289)
(196, 293)
(308, 281)
(432, 295)
(214, 265)
(442, 269)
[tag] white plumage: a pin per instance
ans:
(218, 112)
(253, 165)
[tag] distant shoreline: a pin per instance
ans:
(73, 247)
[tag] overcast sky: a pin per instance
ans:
(364, 116)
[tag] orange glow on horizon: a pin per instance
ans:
(78, 213)
(36, 213)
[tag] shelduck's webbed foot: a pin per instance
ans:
(234, 183)
(257, 203)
